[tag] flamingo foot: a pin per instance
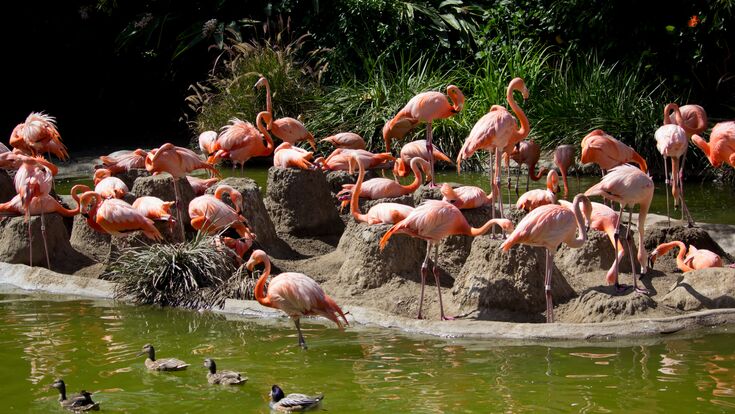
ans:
(448, 318)
(419, 316)
(643, 291)
(621, 288)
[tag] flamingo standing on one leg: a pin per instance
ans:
(432, 221)
(125, 162)
(210, 214)
(38, 135)
(672, 142)
(497, 131)
(427, 107)
(695, 258)
(415, 149)
(528, 153)
(296, 294)
(382, 213)
(466, 196)
(178, 162)
(628, 186)
(288, 129)
(116, 217)
(607, 152)
(533, 199)
(108, 186)
(721, 146)
(565, 157)
(347, 140)
(549, 226)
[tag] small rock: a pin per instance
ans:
(14, 244)
(7, 187)
(90, 243)
(603, 306)
(712, 288)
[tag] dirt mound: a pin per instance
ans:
(14, 241)
(493, 279)
(690, 236)
(703, 289)
(602, 305)
(300, 203)
(7, 188)
(161, 186)
(88, 242)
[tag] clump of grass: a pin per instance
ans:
(181, 274)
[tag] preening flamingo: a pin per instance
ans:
(694, 259)
(155, 209)
(125, 162)
(38, 135)
(383, 213)
(432, 221)
(466, 196)
(672, 142)
(288, 129)
(628, 186)
(108, 186)
(527, 152)
(530, 200)
(549, 226)
(347, 140)
(413, 150)
(200, 185)
(607, 152)
(210, 214)
(296, 294)
(565, 157)
(206, 142)
(288, 156)
(427, 107)
(497, 131)
(693, 119)
(341, 160)
(239, 141)
(378, 188)
(178, 162)
(721, 146)
(116, 217)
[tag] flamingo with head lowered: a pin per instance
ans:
(530, 200)
(211, 215)
(687, 261)
(466, 196)
(382, 213)
(527, 152)
(721, 146)
(378, 188)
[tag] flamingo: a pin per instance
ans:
(466, 196)
(382, 213)
(240, 141)
(206, 142)
(628, 186)
(37, 135)
(287, 129)
(693, 120)
(124, 162)
(108, 186)
(672, 142)
(607, 152)
(427, 107)
(200, 185)
(210, 214)
(397, 129)
(239, 246)
(287, 155)
(497, 131)
(432, 221)
(721, 146)
(549, 226)
(116, 217)
(378, 188)
(695, 258)
(533, 199)
(296, 294)
(528, 153)
(347, 140)
(341, 159)
(415, 149)
(178, 162)
(155, 209)
(564, 157)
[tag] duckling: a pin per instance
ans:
(165, 364)
(292, 403)
(222, 377)
(76, 402)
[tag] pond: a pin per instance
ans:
(92, 344)
(707, 202)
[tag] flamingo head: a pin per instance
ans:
(457, 98)
(652, 258)
(448, 194)
(262, 81)
(552, 181)
(239, 246)
(517, 84)
(256, 258)
(140, 152)
(101, 174)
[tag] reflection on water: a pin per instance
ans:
(93, 345)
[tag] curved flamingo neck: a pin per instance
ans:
(525, 127)
(677, 114)
(268, 102)
(263, 128)
(418, 177)
(665, 247)
(582, 230)
(533, 174)
(259, 290)
(475, 231)
(355, 199)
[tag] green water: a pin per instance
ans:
(707, 202)
(92, 345)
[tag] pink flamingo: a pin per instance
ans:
(465, 197)
(108, 186)
(200, 185)
(413, 150)
(527, 152)
(155, 209)
(289, 156)
(287, 129)
(125, 162)
(378, 188)
(206, 142)
(693, 120)
(672, 142)
(564, 157)
(432, 221)
(239, 246)
(241, 141)
(628, 185)
(607, 152)
(533, 199)
(210, 214)
(341, 159)
(549, 226)
(37, 135)
(296, 294)
(397, 129)
(427, 107)
(695, 259)
(721, 146)
(116, 217)
(383, 213)
(347, 140)
(497, 131)
(178, 162)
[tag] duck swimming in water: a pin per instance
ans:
(222, 377)
(293, 403)
(165, 364)
(75, 402)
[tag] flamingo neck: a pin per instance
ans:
(533, 174)
(268, 103)
(260, 284)
(418, 177)
(355, 199)
(582, 230)
(525, 127)
(475, 231)
(264, 130)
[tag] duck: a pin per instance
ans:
(75, 402)
(293, 403)
(165, 364)
(222, 377)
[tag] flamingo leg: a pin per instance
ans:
(496, 185)
(30, 245)
(430, 149)
(45, 245)
(618, 286)
(547, 286)
(492, 205)
(684, 208)
(630, 254)
(528, 178)
(302, 342)
(178, 210)
(438, 284)
(424, 271)
(666, 174)
(518, 179)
